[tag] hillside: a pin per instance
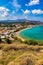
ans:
(14, 51)
(20, 54)
(20, 21)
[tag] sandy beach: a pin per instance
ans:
(17, 33)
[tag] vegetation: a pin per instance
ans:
(29, 42)
(8, 41)
(0, 40)
(20, 54)
(33, 42)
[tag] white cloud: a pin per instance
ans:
(39, 11)
(13, 12)
(26, 11)
(3, 12)
(12, 16)
(16, 5)
(32, 2)
(5, 15)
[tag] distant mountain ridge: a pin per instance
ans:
(18, 20)
(21, 21)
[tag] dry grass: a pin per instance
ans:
(20, 54)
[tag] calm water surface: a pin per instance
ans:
(32, 33)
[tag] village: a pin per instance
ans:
(8, 31)
(13, 50)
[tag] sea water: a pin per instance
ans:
(34, 33)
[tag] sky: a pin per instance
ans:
(21, 9)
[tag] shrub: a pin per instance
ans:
(0, 40)
(8, 41)
(14, 37)
(31, 42)
(40, 44)
(26, 42)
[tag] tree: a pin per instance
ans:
(8, 41)
(0, 40)
(32, 42)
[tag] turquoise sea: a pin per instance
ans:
(34, 33)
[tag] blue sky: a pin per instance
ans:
(21, 9)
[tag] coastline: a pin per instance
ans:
(17, 33)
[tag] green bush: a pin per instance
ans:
(31, 42)
(0, 40)
(26, 42)
(14, 37)
(8, 41)
(40, 44)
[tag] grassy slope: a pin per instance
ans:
(20, 54)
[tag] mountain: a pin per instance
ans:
(17, 20)
(33, 22)
(21, 21)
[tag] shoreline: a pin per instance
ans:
(17, 33)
